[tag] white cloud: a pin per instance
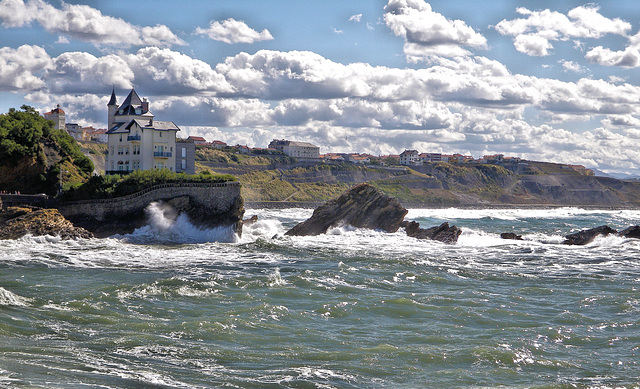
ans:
(570, 66)
(21, 69)
(355, 18)
(428, 33)
(233, 31)
(336, 31)
(84, 23)
(78, 72)
(627, 58)
(533, 35)
(166, 71)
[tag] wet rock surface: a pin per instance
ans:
(443, 233)
(16, 222)
(511, 236)
(363, 206)
(587, 236)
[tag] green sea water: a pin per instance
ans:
(172, 306)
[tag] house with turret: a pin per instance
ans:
(135, 139)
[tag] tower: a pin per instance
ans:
(113, 107)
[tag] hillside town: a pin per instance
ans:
(137, 141)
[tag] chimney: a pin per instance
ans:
(145, 105)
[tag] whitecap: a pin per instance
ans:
(8, 298)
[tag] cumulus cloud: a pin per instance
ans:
(428, 33)
(164, 70)
(355, 18)
(84, 23)
(533, 34)
(21, 69)
(233, 31)
(627, 58)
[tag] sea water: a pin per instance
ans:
(174, 306)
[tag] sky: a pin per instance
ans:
(542, 80)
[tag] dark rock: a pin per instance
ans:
(18, 222)
(510, 235)
(443, 232)
(631, 232)
(250, 221)
(363, 206)
(587, 236)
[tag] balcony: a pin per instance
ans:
(133, 138)
(162, 154)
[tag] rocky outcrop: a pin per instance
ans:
(363, 206)
(511, 236)
(443, 233)
(631, 232)
(18, 222)
(587, 236)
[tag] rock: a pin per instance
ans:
(363, 206)
(510, 235)
(18, 222)
(631, 232)
(443, 232)
(587, 236)
(250, 221)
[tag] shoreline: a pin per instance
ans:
(313, 205)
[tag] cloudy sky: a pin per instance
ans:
(545, 80)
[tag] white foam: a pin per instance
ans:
(165, 227)
(8, 298)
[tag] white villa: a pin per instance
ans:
(136, 141)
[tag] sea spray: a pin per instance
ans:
(166, 226)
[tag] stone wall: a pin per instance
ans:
(209, 198)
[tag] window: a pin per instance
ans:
(184, 164)
(184, 153)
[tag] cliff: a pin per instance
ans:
(527, 183)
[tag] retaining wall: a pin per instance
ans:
(211, 198)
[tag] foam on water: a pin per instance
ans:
(166, 226)
(8, 298)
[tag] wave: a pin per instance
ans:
(8, 298)
(165, 226)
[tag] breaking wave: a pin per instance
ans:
(166, 226)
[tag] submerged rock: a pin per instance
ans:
(443, 233)
(363, 206)
(587, 236)
(18, 222)
(510, 235)
(631, 232)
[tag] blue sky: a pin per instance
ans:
(544, 80)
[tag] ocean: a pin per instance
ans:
(174, 306)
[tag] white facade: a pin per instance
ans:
(409, 157)
(300, 150)
(135, 140)
(57, 116)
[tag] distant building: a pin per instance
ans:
(299, 150)
(57, 116)
(75, 131)
(136, 141)
(409, 157)
(198, 140)
(99, 135)
(218, 144)
(430, 157)
(185, 156)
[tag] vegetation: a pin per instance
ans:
(231, 156)
(35, 157)
(100, 187)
